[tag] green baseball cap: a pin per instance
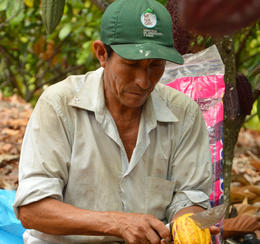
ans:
(139, 29)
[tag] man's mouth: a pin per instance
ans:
(139, 93)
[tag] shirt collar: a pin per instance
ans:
(91, 97)
(160, 108)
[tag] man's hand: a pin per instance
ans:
(57, 218)
(141, 228)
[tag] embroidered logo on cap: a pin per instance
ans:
(148, 18)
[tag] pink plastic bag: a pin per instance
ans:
(202, 78)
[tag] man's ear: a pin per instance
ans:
(101, 52)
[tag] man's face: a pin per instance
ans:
(130, 82)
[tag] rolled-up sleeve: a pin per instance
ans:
(191, 167)
(45, 156)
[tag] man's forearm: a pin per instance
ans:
(54, 217)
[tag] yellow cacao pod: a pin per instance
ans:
(52, 11)
(185, 231)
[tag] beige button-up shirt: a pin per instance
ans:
(72, 152)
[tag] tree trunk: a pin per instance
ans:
(232, 119)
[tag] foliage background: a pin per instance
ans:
(30, 59)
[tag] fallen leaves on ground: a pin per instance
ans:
(14, 116)
(245, 186)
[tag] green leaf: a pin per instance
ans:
(18, 18)
(77, 4)
(87, 4)
(3, 4)
(162, 2)
(65, 31)
(88, 32)
(89, 17)
(13, 8)
(258, 107)
(200, 39)
(29, 3)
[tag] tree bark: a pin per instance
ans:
(233, 120)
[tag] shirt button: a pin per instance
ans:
(76, 99)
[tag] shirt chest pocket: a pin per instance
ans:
(158, 195)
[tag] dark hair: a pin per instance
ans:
(109, 50)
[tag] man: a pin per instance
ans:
(112, 156)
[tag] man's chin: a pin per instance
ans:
(134, 103)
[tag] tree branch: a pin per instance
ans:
(7, 21)
(52, 80)
(11, 17)
(231, 125)
(255, 71)
(249, 57)
(250, 117)
(8, 60)
(101, 4)
(62, 75)
(14, 60)
(39, 79)
(256, 94)
(242, 45)
(7, 54)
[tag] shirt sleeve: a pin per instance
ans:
(191, 167)
(45, 155)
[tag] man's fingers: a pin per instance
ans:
(142, 228)
(161, 230)
(163, 241)
(152, 236)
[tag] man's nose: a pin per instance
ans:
(142, 79)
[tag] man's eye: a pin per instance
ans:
(157, 64)
(132, 64)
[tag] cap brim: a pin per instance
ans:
(148, 51)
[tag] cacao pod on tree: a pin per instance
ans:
(181, 36)
(231, 101)
(245, 94)
(52, 11)
(185, 230)
(218, 17)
